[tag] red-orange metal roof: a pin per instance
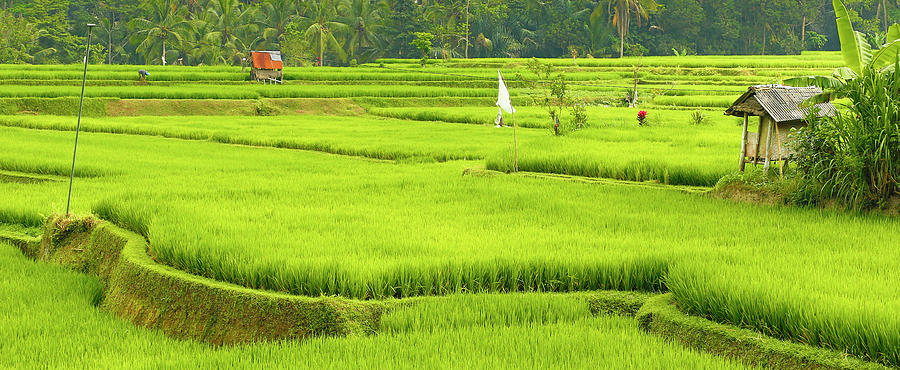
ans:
(263, 60)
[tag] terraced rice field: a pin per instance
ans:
(389, 183)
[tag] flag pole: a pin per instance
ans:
(515, 141)
(87, 58)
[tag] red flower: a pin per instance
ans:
(642, 115)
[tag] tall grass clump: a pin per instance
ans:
(854, 157)
(492, 310)
(867, 329)
(136, 220)
(19, 217)
(695, 101)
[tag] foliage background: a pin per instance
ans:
(209, 32)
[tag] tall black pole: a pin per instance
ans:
(87, 59)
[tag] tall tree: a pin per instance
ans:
(232, 27)
(163, 24)
(363, 21)
(681, 22)
(110, 16)
(402, 18)
(277, 15)
(320, 26)
(883, 12)
(19, 40)
(622, 11)
(567, 25)
(51, 16)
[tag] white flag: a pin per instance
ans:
(503, 97)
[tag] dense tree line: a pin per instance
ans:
(341, 32)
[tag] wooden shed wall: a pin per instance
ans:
(782, 137)
(262, 74)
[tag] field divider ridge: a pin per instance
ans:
(185, 306)
(661, 316)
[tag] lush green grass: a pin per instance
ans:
(105, 73)
(537, 117)
(48, 319)
(20, 229)
(372, 137)
(695, 101)
(671, 150)
(321, 224)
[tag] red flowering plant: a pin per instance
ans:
(642, 117)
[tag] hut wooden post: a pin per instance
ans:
(769, 146)
(758, 140)
(780, 154)
(744, 142)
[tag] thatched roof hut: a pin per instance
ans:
(779, 109)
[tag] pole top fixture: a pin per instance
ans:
(91, 25)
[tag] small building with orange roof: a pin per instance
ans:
(266, 66)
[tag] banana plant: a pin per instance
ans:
(858, 55)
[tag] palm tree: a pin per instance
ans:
(364, 23)
(200, 50)
(320, 26)
(620, 14)
(164, 24)
(451, 29)
(232, 28)
(277, 15)
(110, 18)
(108, 30)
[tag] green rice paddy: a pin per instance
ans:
(49, 312)
(414, 202)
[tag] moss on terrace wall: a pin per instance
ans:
(184, 306)
(660, 315)
(28, 246)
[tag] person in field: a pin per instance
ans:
(143, 75)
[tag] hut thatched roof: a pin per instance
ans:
(780, 102)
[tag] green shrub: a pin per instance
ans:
(698, 117)
(855, 157)
(265, 108)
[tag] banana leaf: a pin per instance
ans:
(855, 49)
